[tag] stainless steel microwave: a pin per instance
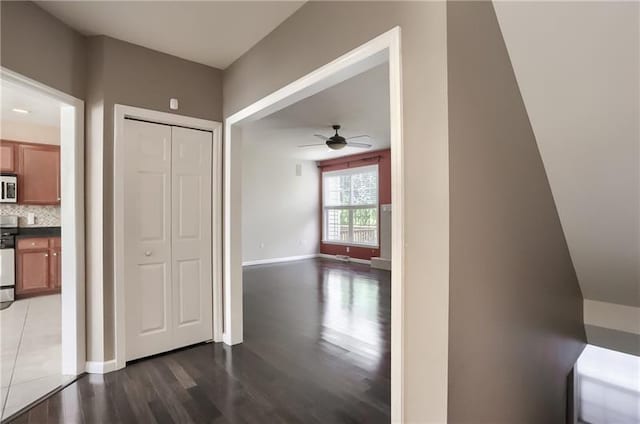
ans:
(8, 188)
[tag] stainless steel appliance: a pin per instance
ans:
(8, 230)
(8, 188)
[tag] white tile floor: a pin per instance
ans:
(30, 351)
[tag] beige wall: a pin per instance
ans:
(515, 304)
(37, 45)
(279, 208)
(123, 73)
(320, 32)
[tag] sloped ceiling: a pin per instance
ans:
(578, 69)
(577, 66)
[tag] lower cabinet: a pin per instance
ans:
(38, 266)
(55, 267)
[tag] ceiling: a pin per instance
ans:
(213, 33)
(577, 66)
(360, 105)
(43, 110)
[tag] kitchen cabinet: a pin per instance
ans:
(33, 272)
(55, 267)
(38, 174)
(8, 157)
(38, 266)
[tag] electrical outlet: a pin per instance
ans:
(347, 249)
(261, 245)
(31, 218)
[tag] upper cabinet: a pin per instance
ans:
(38, 174)
(8, 157)
(38, 169)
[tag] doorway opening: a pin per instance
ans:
(42, 218)
(384, 50)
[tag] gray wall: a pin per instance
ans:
(37, 45)
(124, 73)
(315, 35)
(102, 71)
(515, 304)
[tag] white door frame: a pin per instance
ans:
(72, 220)
(386, 47)
(120, 113)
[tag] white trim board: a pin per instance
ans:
(97, 367)
(72, 220)
(301, 257)
(336, 258)
(383, 48)
(612, 316)
(120, 113)
(277, 260)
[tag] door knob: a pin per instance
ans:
(147, 253)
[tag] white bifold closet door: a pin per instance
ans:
(168, 292)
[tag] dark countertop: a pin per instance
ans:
(26, 232)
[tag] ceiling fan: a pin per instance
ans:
(337, 142)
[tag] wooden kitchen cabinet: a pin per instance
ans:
(8, 157)
(38, 174)
(55, 267)
(32, 267)
(38, 266)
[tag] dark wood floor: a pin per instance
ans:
(316, 350)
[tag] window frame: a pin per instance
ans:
(325, 209)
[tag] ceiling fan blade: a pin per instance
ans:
(312, 145)
(321, 137)
(358, 136)
(356, 144)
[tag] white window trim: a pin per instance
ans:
(376, 206)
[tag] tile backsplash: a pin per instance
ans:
(46, 216)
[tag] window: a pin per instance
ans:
(350, 206)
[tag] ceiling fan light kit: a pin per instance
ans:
(337, 142)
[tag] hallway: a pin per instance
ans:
(317, 350)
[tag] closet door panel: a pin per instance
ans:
(191, 235)
(148, 273)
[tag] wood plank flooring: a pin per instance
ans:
(316, 350)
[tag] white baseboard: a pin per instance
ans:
(297, 258)
(333, 257)
(276, 260)
(97, 367)
(381, 263)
